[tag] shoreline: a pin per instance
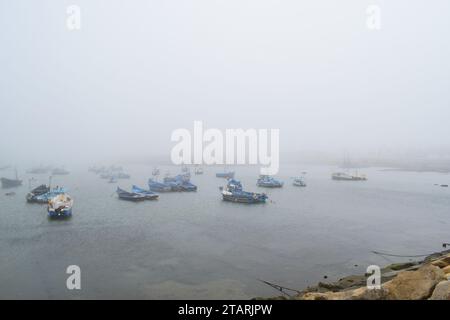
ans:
(415, 280)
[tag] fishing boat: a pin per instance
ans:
(233, 192)
(130, 196)
(157, 186)
(198, 170)
(115, 175)
(342, 176)
(180, 182)
(299, 182)
(59, 172)
(38, 191)
(11, 183)
(225, 174)
(149, 195)
(60, 206)
(268, 182)
(122, 175)
(45, 197)
(38, 170)
(112, 180)
(155, 172)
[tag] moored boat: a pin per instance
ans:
(38, 191)
(39, 197)
(342, 176)
(233, 192)
(299, 182)
(59, 172)
(268, 182)
(129, 196)
(198, 170)
(157, 186)
(38, 170)
(11, 183)
(225, 174)
(149, 195)
(60, 206)
(155, 172)
(180, 182)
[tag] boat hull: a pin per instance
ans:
(241, 199)
(227, 175)
(59, 214)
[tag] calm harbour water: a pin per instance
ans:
(194, 245)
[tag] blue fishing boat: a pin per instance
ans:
(149, 195)
(157, 186)
(45, 197)
(129, 196)
(225, 174)
(38, 191)
(60, 206)
(268, 182)
(180, 182)
(233, 192)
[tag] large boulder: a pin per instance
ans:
(442, 262)
(356, 294)
(442, 291)
(414, 285)
(446, 270)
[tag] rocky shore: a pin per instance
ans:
(420, 280)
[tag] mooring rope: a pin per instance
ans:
(400, 255)
(279, 288)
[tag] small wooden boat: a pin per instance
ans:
(60, 206)
(129, 196)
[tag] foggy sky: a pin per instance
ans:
(137, 70)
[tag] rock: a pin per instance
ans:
(446, 270)
(400, 266)
(442, 262)
(414, 285)
(442, 291)
(356, 294)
